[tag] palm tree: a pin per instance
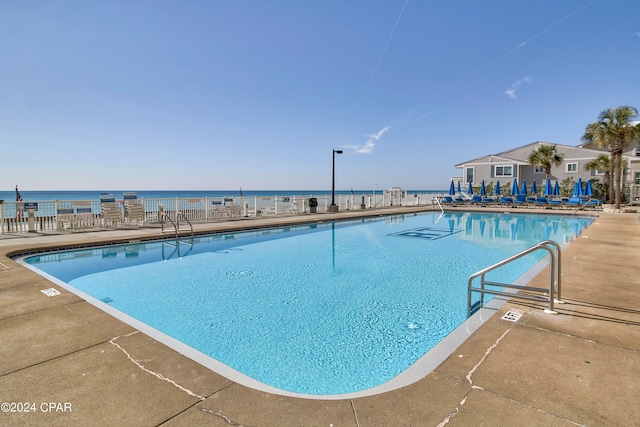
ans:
(614, 131)
(545, 157)
(602, 163)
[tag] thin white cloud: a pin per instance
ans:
(511, 92)
(371, 142)
(367, 148)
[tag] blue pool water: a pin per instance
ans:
(319, 309)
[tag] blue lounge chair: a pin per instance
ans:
(506, 200)
(541, 201)
(555, 203)
(489, 200)
(521, 199)
(476, 200)
(447, 200)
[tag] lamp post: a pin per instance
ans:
(333, 207)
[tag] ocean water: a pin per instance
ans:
(28, 195)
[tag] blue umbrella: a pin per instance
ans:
(514, 187)
(498, 192)
(452, 189)
(459, 190)
(548, 189)
(534, 189)
(588, 191)
(556, 189)
(470, 190)
(483, 189)
(577, 190)
(523, 190)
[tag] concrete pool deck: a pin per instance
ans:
(70, 363)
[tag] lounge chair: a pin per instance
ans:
(84, 216)
(135, 213)
(521, 199)
(489, 200)
(506, 200)
(476, 200)
(218, 210)
(574, 202)
(555, 203)
(133, 210)
(447, 200)
(111, 215)
(65, 218)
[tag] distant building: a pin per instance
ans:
(515, 164)
(507, 165)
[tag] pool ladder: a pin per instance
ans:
(176, 224)
(550, 295)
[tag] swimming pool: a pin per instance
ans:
(320, 309)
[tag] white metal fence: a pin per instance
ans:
(61, 215)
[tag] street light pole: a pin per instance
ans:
(333, 207)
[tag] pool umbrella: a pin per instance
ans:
(588, 191)
(483, 189)
(577, 190)
(548, 189)
(534, 189)
(459, 190)
(514, 187)
(523, 190)
(556, 189)
(452, 189)
(470, 190)
(498, 192)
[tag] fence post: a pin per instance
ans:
(1, 216)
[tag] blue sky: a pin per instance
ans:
(217, 95)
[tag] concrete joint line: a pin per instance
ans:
(222, 416)
(470, 374)
(355, 415)
(155, 374)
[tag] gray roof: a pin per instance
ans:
(520, 155)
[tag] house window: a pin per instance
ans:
(539, 169)
(572, 167)
(636, 180)
(468, 174)
(504, 171)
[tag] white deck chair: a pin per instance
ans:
(218, 210)
(111, 215)
(84, 215)
(65, 218)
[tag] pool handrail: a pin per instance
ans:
(554, 290)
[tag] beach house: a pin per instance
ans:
(514, 163)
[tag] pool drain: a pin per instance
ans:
(51, 292)
(512, 316)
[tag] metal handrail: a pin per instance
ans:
(176, 225)
(166, 216)
(554, 291)
(180, 214)
(438, 201)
